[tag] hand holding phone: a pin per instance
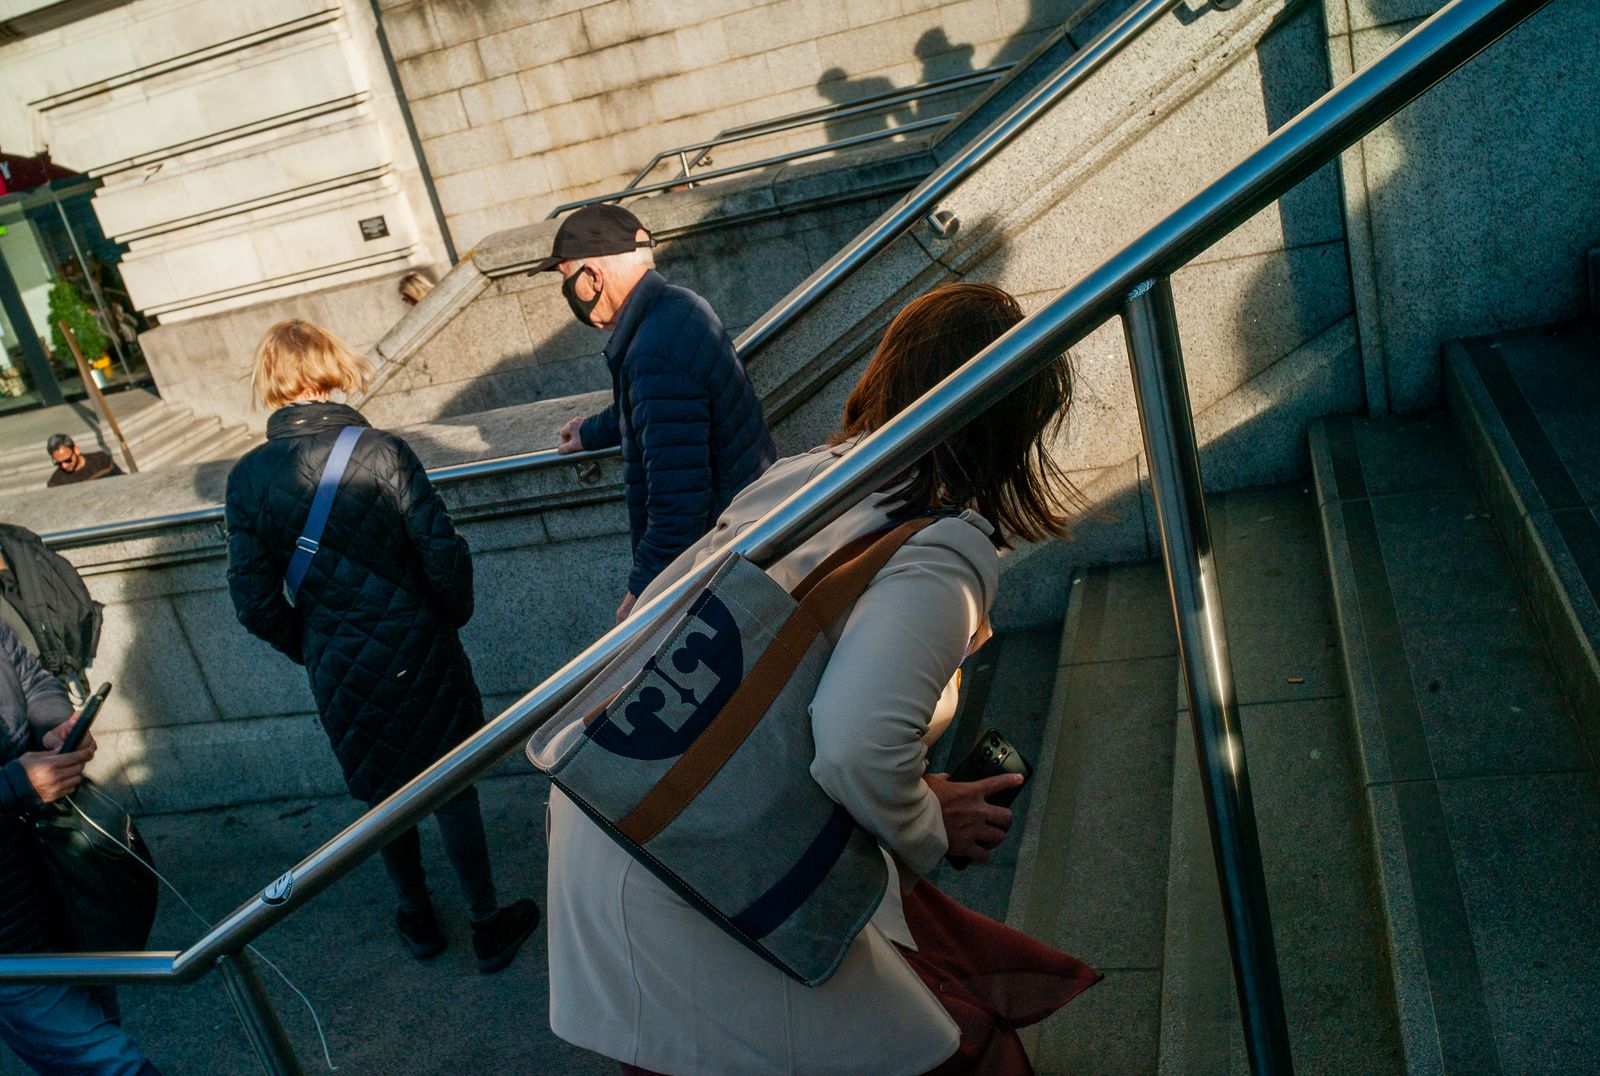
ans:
(80, 730)
(991, 758)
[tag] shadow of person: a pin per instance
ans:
(837, 86)
(940, 59)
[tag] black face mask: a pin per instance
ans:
(581, 308)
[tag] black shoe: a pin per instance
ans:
(420, 931)
(497, 939)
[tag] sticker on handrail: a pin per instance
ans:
(280, 891)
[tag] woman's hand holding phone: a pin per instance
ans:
(973, 826)
(53, 739)
(54, 775)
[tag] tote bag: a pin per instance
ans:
(692, 750)
(107, 896)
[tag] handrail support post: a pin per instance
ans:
(1150, 324)
(260, 1019)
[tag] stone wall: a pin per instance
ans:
(1473, 209)
(204, 364)
(490, 335)
(241, 145)
(523, 106)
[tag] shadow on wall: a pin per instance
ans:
(1291, 298)
(742, 277)
(940, 58)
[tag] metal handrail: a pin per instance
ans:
(860, 106)
(1130, 282)
(931, 88)
(924, 199)
(752, 166)
(524, 461)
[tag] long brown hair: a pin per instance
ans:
(1000, 462)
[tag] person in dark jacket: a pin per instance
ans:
(375, 620)
(53, 1028)
(691, 428)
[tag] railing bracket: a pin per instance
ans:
(944, 223)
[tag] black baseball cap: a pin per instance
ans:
(591, 232)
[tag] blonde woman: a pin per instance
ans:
(374, 619)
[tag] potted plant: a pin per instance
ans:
(66, 305)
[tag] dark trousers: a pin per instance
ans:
(461, 828)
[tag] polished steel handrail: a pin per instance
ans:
(1120, 285)
(860, 106)
(931, 88)
(925, 198)
(132, 528)
(753, 166)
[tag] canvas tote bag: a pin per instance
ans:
(692, 749)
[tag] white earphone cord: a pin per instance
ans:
(326, 1055)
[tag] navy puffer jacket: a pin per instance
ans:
(687, 418)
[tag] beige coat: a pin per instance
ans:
(638, 975)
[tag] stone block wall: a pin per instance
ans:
(204, 364)
(490, 335)
(241, 145)
(1473, 209)
(523, 106)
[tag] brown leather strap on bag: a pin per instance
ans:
(823, 597)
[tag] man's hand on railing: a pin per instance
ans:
(569, 441)
(53, 776)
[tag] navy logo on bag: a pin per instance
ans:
(676, 698)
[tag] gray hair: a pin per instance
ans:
(616, 263)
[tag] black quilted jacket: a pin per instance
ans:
(375, 621)
(687, 418)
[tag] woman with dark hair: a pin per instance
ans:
(640, 976)
(374, 617)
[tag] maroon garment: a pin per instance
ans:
(990, 978)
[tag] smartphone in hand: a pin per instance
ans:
(991, 756)
(86, 716)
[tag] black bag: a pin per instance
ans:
(107, 897)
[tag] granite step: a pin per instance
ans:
(160, 435)
(1310, 814)
(1482, 800)
(1006, 686)
(1093, 850)
(1526, 404)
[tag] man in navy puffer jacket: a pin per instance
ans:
(683, 410)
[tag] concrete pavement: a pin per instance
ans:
(383, 1012)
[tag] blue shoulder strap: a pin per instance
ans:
(305, 547)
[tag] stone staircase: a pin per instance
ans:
(160, 435)
(1413, 634)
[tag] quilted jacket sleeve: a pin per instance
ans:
(446, 561)
(601, 430)
(46, 700)
(671, 418)
(255, 577)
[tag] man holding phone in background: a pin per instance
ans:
(53, 1028)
